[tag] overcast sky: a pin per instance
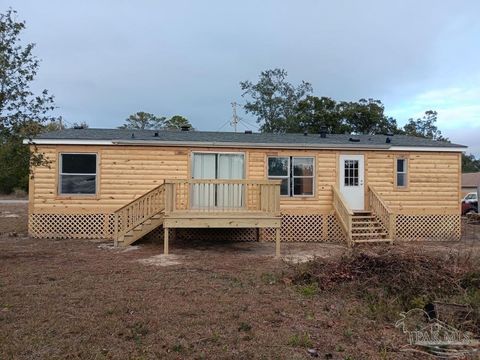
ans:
(104, 60)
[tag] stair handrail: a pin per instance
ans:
(137, 211)
(382, 211)
(344, 212)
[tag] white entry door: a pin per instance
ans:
(351, 180)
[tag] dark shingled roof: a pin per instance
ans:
(210, 137)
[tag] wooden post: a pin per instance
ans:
(277, 243)
(165, 241)
(115, 235)
(392, 226)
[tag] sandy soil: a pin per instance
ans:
(79, 299)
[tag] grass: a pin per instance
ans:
(71, 299)
(302, 340)
(308, 290)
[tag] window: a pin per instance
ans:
(218, 166)
(78, 174)
(471, 196)
(296, 174)
(402, 173)
(351, 173)
(279, 169)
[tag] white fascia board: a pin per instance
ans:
(67, 142)
(427, 148)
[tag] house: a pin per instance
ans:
(122, 184)
(470, 183)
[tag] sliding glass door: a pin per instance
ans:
(222, 166)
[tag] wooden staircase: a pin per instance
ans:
(376, 225)
(139, 217)
(141, 230)
(366, 228)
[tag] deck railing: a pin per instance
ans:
(345, 214)
(136, 212)
(219, 195)
(381, 210)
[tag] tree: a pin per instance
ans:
(81, 125)
(143, 120)
(22, 112)
(425, 127)
(273, 100)
(177, 122)
(367, 117)
(314, 112)
(470, 163)
(281, 107)
(60, 125)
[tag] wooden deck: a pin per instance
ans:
(201, 204)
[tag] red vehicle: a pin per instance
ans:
(469, 207)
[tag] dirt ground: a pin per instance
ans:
(79, 299)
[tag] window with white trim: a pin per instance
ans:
(401, 173)
(296, 173)
(78, 174)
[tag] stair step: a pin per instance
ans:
(370, 234)
(369, 228)
(361, 212)
(366, 228)
(365, 222)
(363, 217)
(372, 240)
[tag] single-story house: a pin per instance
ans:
(121, 184)
(470, 183)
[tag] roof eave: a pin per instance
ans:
(243, 145)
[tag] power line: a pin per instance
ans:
(249, 124)
(224, 124)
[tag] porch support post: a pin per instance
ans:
(165, 240)
(277, 243)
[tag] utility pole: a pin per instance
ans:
(235, 119)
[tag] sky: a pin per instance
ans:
(104, 60)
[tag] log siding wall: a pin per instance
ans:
(127, 172)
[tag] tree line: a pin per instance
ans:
(278, 106)
(282, 107)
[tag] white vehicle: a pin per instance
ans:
(470, 197)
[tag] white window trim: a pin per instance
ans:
(60, 173)
(291, 176)
(216, 162)
(303, 177)
(404, 172)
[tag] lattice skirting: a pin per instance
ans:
(231, 234)
(68, 226)
(296, 227)
(428, 227)
(307, 227)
